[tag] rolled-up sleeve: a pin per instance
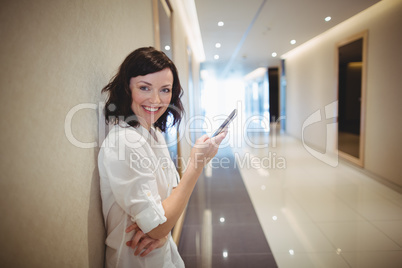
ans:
(134, 187)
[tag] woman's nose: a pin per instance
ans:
(155, 98)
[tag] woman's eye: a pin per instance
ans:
(144, 88)
(166, 90)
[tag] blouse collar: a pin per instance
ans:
(143, 131)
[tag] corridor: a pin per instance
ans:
(311, 214)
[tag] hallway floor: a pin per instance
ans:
(315, 215)
(311, 214)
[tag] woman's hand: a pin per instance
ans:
(143, 241)
(205, 148)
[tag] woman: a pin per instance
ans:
(142, 198)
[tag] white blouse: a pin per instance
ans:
(136, 175)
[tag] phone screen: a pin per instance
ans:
(226, 122)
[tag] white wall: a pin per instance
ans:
(55, 55)
(311, 85)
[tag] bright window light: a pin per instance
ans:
(255, 91)
(204, 74)
(218, 96)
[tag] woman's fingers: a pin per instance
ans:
(132, 227)
(219, 138)
(203, 138)
(151, 247)
(137, 237)
(205, 149)
(143, 245)
(201, 142)
(129, 229)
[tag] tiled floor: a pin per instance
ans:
(315, 215)
(311, 214)
(221, 228)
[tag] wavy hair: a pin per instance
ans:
(140, 62)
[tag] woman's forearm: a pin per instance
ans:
(175, 204)
(204, 150)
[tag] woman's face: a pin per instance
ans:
(151, 96)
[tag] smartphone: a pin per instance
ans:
(226, 122)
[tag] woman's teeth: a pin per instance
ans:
(151, 109)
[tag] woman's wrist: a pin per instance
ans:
(196, 163)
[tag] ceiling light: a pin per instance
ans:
(218, 45)
(328, 18)
(293, 42)
(220, 24)
(167, 48)
(216, 57)
(274, 54)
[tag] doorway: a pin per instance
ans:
(351, 98)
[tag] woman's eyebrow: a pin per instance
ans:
(150, 84)
(145, 82)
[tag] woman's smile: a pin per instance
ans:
(151, 109)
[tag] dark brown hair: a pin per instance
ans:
(141, 61)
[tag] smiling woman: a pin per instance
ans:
(142, 65)
(142, 195)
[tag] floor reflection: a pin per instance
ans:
(221, 228)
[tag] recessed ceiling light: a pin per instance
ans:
(216, 57)
(221, 23)
(293, 42)
(218, 45)
(328, 18)
(167, 48)
(274, 54)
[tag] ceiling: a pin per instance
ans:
(254, 29)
